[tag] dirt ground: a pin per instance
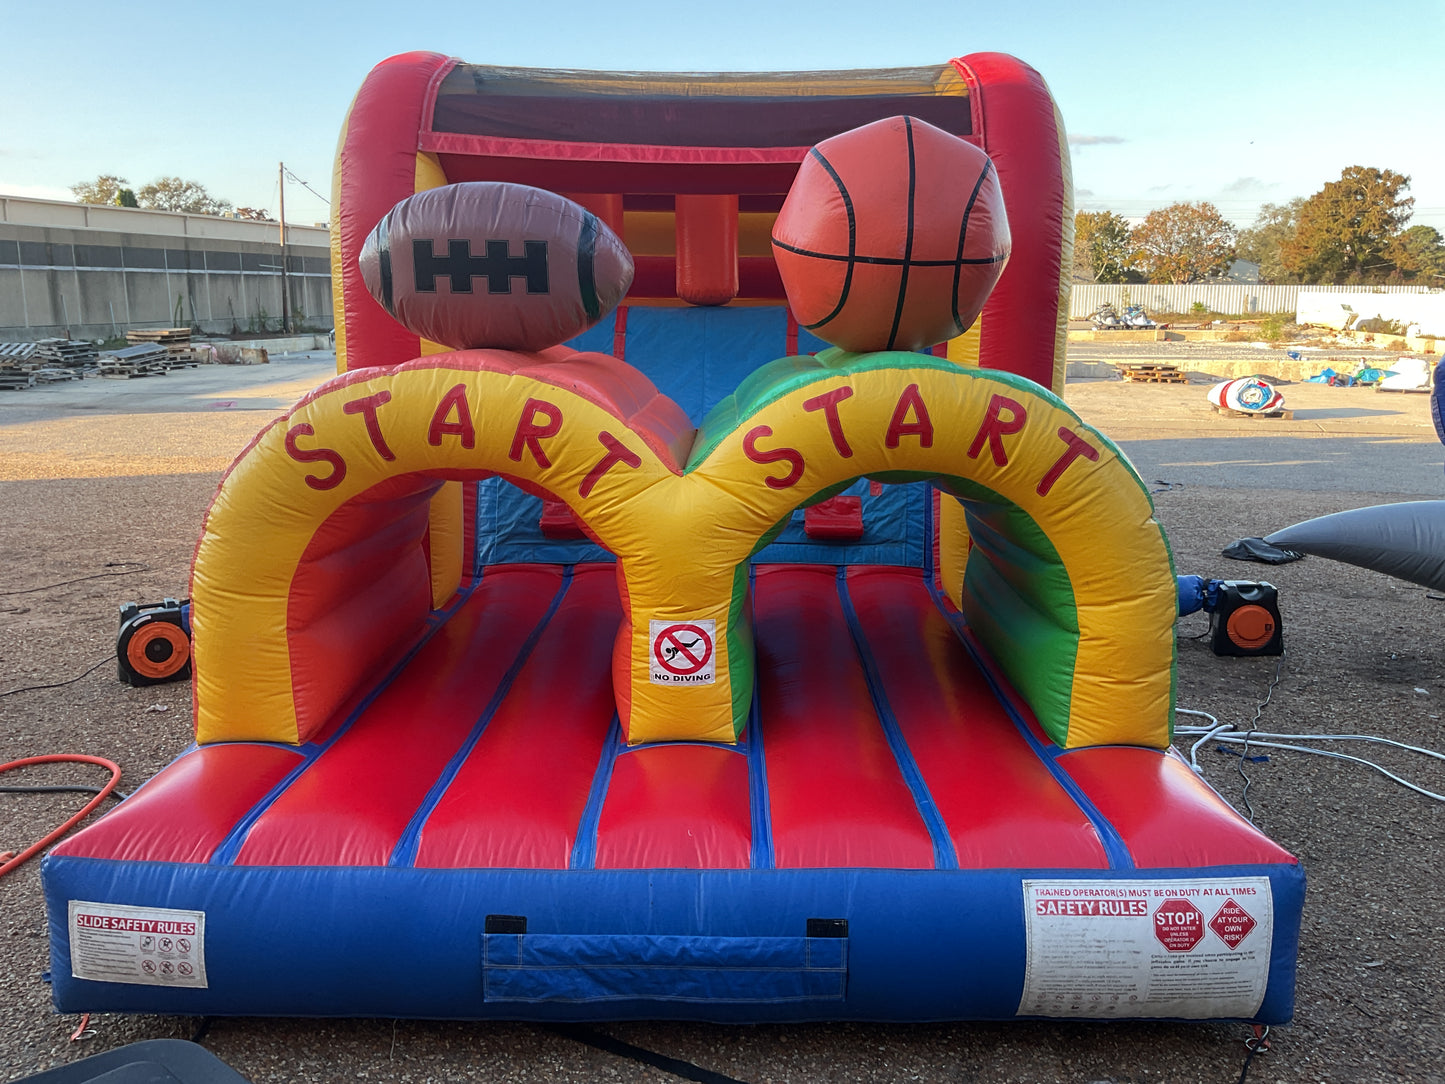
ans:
(106, 505)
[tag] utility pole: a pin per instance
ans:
(285, 283)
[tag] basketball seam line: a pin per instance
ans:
(887, 261)
(907, 237)
(852, 240)
(962, 237)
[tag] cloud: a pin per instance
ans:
(1245, 186)
(1094, 140)
(1160, 187)
(1083, 193)
(37, 191)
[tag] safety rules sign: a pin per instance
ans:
(683, 652)
(1192, 949)
(153, 946)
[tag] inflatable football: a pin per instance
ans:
(491, 264)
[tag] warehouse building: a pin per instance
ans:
(91, 271)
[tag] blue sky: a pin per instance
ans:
(1236, 103)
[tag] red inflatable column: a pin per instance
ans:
(1024, 321)
(707, 249)
(376, 166)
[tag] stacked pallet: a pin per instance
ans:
(176, 340)
(74, 354)
(1153, 373)
(146, 360)
(17, 362)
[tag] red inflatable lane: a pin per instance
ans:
(1148, 796)
(836, 795)
(351, 806)
(1002, 806)
(519, 797)
(184, 813)
(676, 807)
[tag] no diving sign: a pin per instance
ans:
(682, 652)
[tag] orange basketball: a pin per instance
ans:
(891, 237)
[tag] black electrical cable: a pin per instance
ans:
(1249, 1057)
(599, 1041)
(81, 579)
(58, 684)
(205, 1026)
(1253, 726)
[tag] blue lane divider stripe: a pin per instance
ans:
(404, 853)
(584, 847)
(944, 855)
(1115, 850)
(225, 854)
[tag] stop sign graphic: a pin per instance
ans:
(1178, 924)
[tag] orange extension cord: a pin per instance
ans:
(10, 860)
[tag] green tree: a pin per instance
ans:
(126, 198)
(104, 189)
(1101, 246)
(1263, 243)
(1185, 242)
(174, 194)
(1345, 229)
(1419, 255)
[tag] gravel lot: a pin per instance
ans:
(96, 474)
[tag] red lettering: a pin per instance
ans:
(315, 455)
(529, 434)
(455, 399)
(616, 453)
(828, 404)
(899, 426)
(777, 455)
(995, 428)
(1078, 446)
(367, 408)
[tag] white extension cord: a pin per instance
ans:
(1227, 732)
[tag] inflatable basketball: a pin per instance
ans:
(490, 264)
(891, 236)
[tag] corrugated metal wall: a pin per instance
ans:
(1216, 298)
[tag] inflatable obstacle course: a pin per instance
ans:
(837, 685)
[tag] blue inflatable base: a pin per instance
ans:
(574, 945)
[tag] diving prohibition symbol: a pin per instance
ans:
(682, 652)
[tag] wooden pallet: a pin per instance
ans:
(53, 376)
(166, 336)
(13, 380)
(1287, 415)
(1152, 374)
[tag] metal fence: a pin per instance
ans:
(1217, 298)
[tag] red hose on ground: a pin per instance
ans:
(9, 861)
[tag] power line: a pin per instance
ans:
(306, 186)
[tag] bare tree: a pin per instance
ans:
(175, 194)
(106, 188)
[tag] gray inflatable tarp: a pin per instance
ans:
(1403, 540)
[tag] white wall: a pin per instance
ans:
(1336, 309)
